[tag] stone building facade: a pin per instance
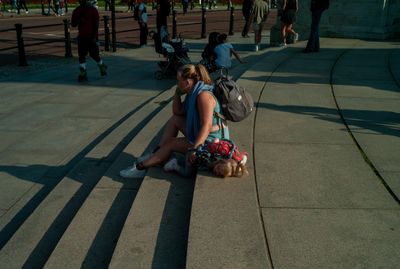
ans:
(364, 19)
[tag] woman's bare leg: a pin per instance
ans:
(173, 126)
(162, 155)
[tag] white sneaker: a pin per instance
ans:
(132, 172)
(244, 160)
(296, 37)
(172, 165)
(282, 45)
(256, 48)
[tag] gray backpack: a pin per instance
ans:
(236, 103)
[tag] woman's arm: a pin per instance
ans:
(177, 105)
(237, 56)
(205, 105)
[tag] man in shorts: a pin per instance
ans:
(86, 17)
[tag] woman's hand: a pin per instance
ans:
(192, 156)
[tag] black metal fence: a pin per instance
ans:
(23, 42)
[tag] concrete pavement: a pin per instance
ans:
(324, 183)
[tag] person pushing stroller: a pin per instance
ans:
(175, 52)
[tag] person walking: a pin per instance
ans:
(289, 10)
(13, 6)
(259, 12)
(143, 18)
(246, 11)
(131, 5)
(56, 5)
(317, 8)
(185, 5)
(86, 18)
(21, 4)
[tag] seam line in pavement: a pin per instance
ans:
(255, 168)
(363, 154)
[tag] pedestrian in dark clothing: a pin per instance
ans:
(131, 5)
(86, 18)
(317, 7)
(208, 55)
(22, 5)
(163, 11)
(246, 11)
(185, 4)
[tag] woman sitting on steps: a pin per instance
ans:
(193, 116)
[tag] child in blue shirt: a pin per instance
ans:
(224, 53)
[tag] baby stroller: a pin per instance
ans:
(175, 52)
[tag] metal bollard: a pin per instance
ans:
(203, 22)
(42, 3)
(106, 33)
(173, 24)
(21, 48)
(113, 30)
(231, 21)
(67, 34)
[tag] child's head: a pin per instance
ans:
(222, 38)
(213, 38)
(229, 168)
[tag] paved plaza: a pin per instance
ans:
(324, 162)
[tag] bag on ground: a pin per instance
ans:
(236, 102)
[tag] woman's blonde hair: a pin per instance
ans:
(196, 72)
(231, 168)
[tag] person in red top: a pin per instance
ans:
(86, 18)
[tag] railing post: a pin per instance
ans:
(231, 21)
(106, 33)
(203, 22)
(67, 34)
(113, 30)
(21, 48)
(174, 24)
(41, 2)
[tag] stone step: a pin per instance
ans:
(156, 230)
(40, 234)
(227, 209)
(92, 235)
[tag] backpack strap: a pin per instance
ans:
(221, 119)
